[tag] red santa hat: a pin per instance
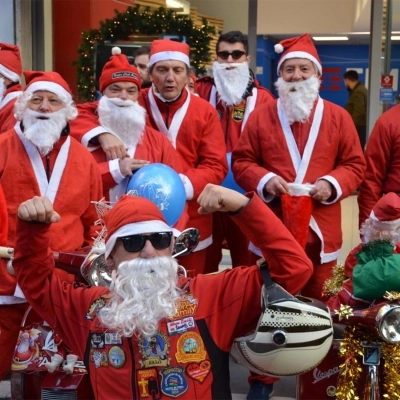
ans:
(386, 212)
(49, 81)
(131, 216)
(118, 69)
(165, 49)
(298, 47)
(10, 62)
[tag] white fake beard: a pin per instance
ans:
(44, 133)
(232, 83)
(143, 292)
(2, 89)
(298, 98)
(126, 119)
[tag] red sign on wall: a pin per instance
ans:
(387, 81)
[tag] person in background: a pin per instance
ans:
(382, 155)
(300, 138)
(119, 115)
(141, 60)
(191, 83)
(39, 157)
(10, 87)
(373, 267)
(192, 126)
(234, 93)
(357, 103)
(166, 336)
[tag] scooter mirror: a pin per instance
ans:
(186, 242)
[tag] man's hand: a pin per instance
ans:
(38, 209)
(127, 165)
(322, 190)
(112, 146)
(217, 198)
(276, 186)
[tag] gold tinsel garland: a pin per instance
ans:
(350, 370)
(334, 285)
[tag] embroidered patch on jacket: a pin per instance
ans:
(190, 348)
(173, 381)
(154, 350)
(96, 306)
(180, 326)
(149, 386)
(186, 306)
(238, 113)
(198, 371)
(116, 357)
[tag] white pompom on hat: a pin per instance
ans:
(298, 47)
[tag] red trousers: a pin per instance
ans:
(10, 324)
(226, 229)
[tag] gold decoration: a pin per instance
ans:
(391, 296)
(391, 371)
(334, 285)
(344, 312)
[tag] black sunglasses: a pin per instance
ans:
(236, 54)
(135, 243)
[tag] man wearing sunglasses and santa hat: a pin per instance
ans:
(234, 93)
(165, 336)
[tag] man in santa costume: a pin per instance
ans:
(234, 93)
(373, 267)
(192, 126)
(38, 157)
(147, 301)
(118, 115)
(10, 88)
(300, 138)
(383, 161)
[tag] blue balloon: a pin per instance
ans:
(229, 182)
(163, 186)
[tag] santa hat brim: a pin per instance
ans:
(169, 55)
(384, 224)
(135, 229)
(299, 54)
(12, 76)
(50, 87)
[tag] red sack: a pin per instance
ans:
(297, 207)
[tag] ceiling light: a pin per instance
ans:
(182, 5)
(325, 38)
(395, 37)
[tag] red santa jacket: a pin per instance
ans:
(233, 118)
(7, 119)
(75, 182)
(189, 354)
(193, 128)
(332, 152)
(383, 162)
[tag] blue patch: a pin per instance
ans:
(173, 381)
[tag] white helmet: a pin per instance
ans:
(293, 335)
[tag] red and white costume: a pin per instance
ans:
(75, 182)
(153, 147)
(130, 367)
(233, 120)
(325, 147)
(191, 124)
(7, 119)
(383, 162)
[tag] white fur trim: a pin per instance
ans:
(135, 229)
(92, 134)
(9, 74)
(188, 186)
(169, 55)
(336, 185)
(8, 98)
(116, 50)
(278, 48)
(263, 181)
(384, 224)
(299, 54)
(50, 87)
(203, 244)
